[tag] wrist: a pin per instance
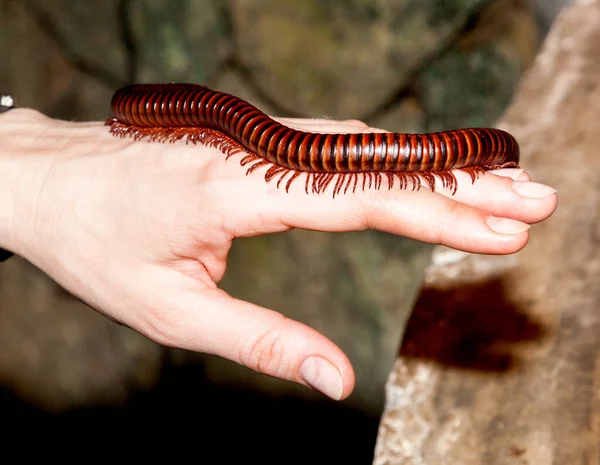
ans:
(48, 168)
(22, 171)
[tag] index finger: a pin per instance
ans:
(486, 219)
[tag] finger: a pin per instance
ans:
(299, 123)
(469, 220)
(516, 174)
(213, 322)
(504, 193)
(423, 216)
(441, 220)
(500, 194)
(328, 126)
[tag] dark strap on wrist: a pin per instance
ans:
(6, 103)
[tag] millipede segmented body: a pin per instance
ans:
(170, 112)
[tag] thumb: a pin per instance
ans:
(266, 341)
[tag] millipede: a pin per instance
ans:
(197, 114)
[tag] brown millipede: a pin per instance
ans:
(198, 114)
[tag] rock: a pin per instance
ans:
(471, 84)
(309, 58)
(407, 115)
(86, 32)
(547, 10)
(500, 362)
(181, 41)
(42, 73)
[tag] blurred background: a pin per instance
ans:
(402, 65)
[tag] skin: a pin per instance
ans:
(141, 232)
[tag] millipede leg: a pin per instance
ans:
(339, 183)
(195, 135)
(316, 179)
(348, 182)
(256, 165)
(273, 171)
(474, 171)
(326, 181)
(283, 175)
(294, 176)
(307, 182)
(390, 177)
(249, 159)
(377, 181)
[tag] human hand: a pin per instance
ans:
(141, 232)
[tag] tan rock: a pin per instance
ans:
(500, 363)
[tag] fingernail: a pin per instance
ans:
(523, 176)
(322, 376)
(532, 190)
(506, 226)
(513, 173)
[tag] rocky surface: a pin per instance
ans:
(474, 80)
(403, 65)
(315, 51)
(547, 10)
(500, 362)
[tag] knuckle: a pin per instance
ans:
(442, 231)
(374, 211)
(356, 123)
(369, 211)
(162, 327)
(507, 183)
(266, 353)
